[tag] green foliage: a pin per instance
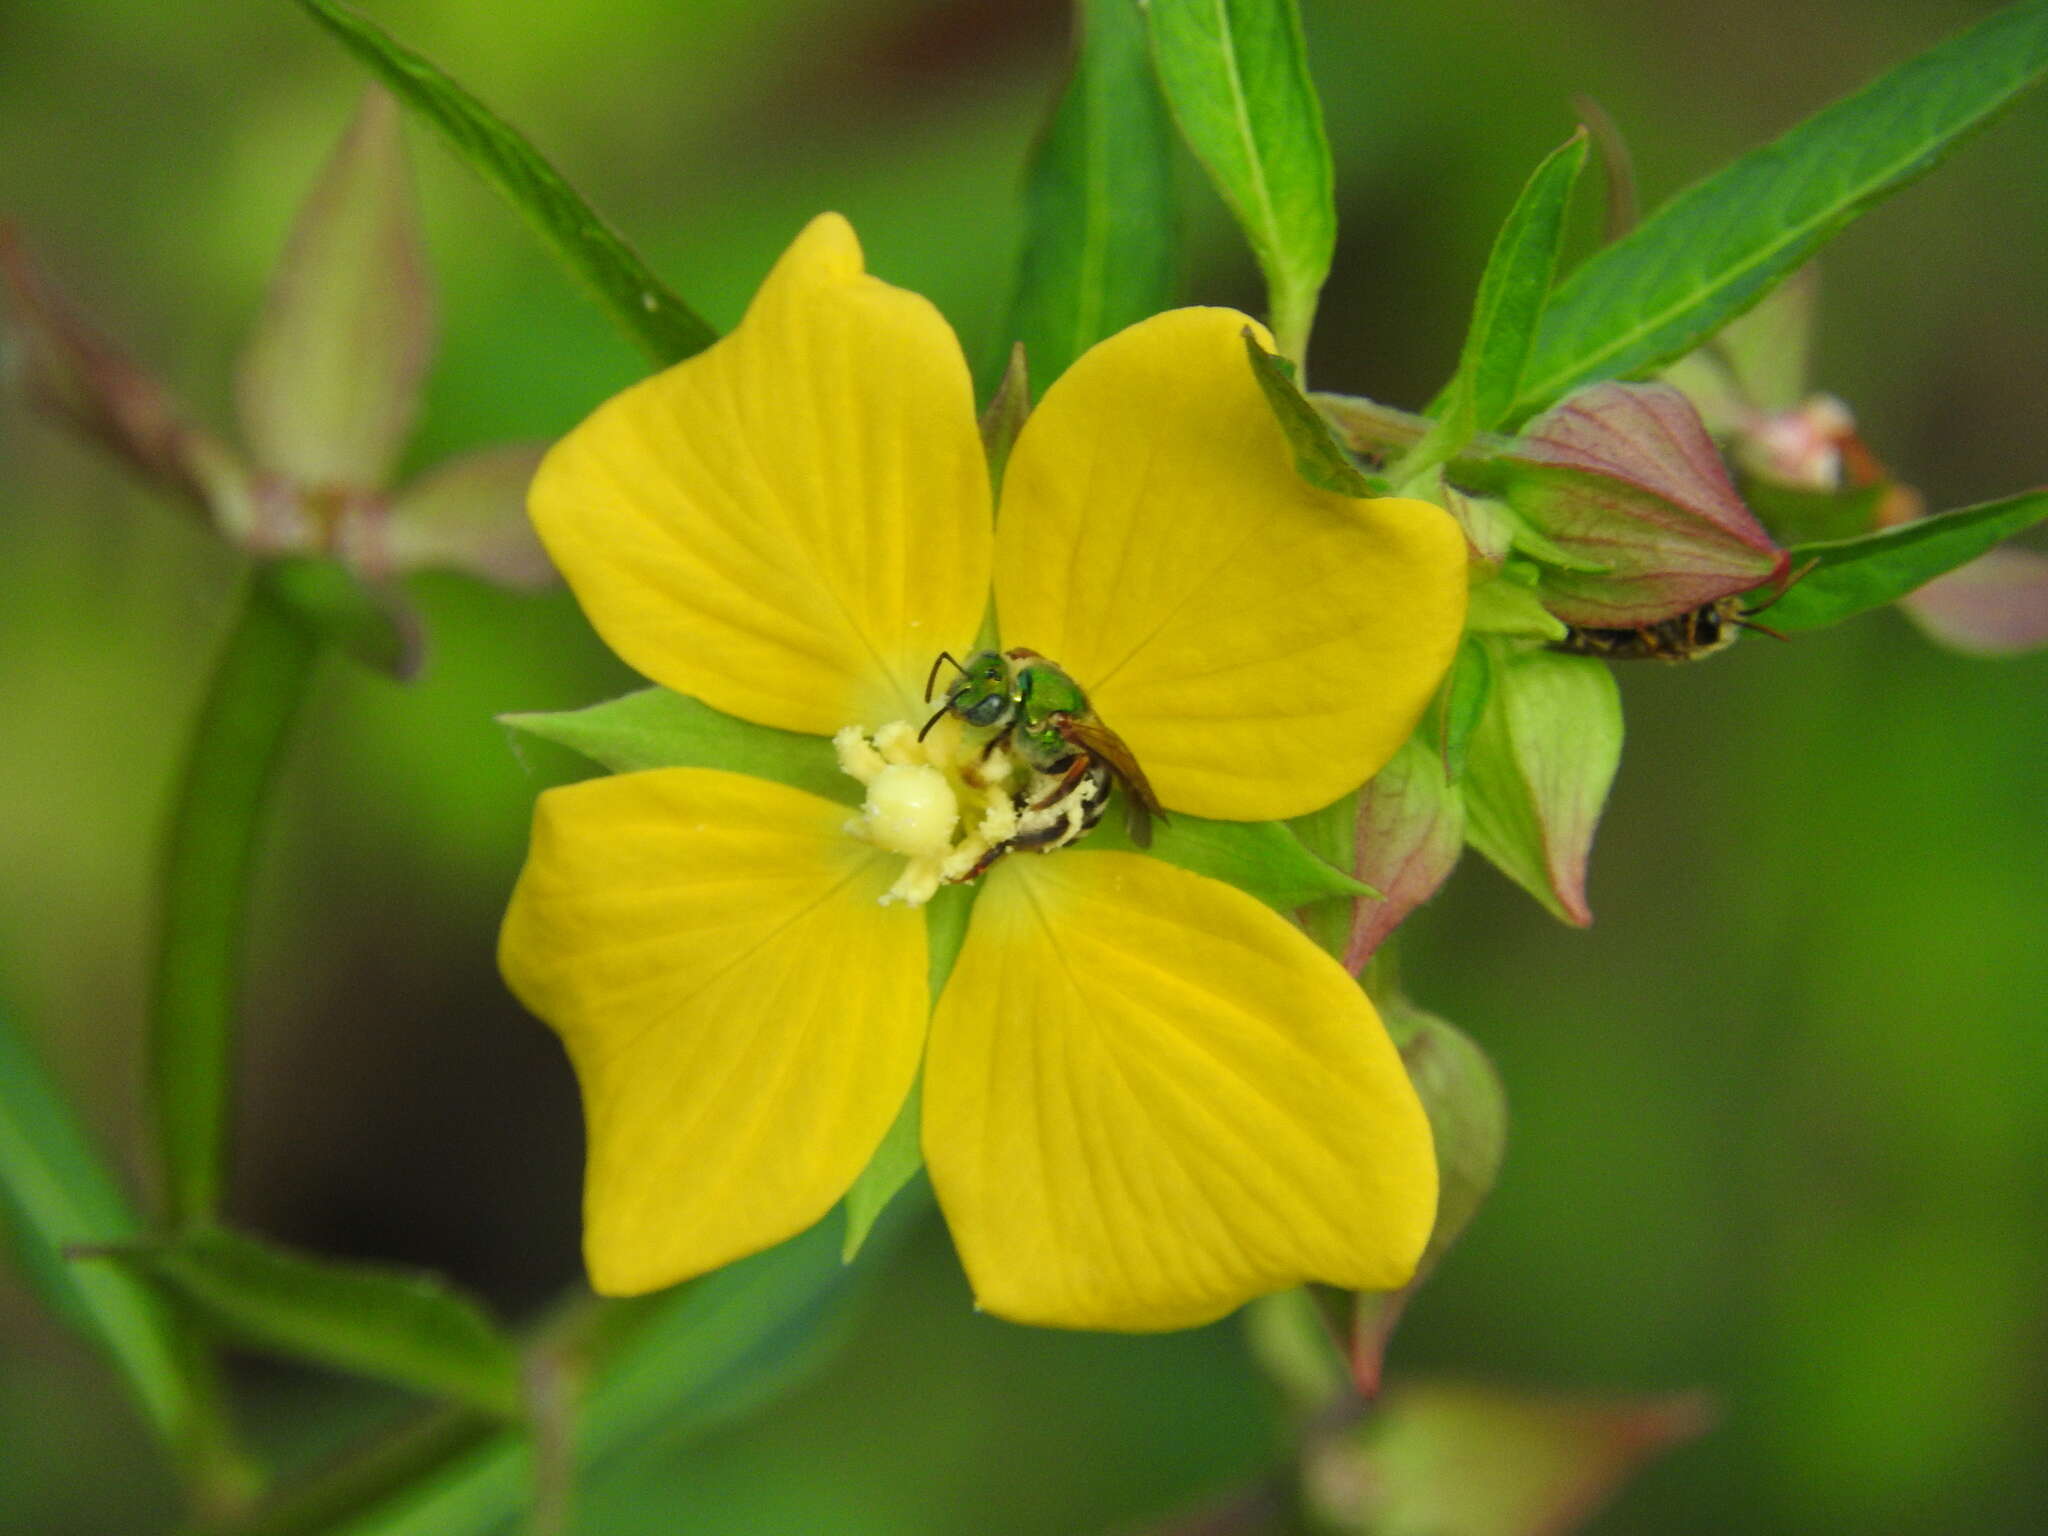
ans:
(1717, 248)
(55, 1192)
(895, 1163)
(666, 328)
(1853, 576)
(1512, 295)
(1100, 236)
(1236, 75)
(655, 728)
(1463, 702)
(401, 1326)
(1318, 457)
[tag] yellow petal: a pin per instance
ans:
(1148, 1099)
(743, 1015)
(792, 524)
(1263, 646)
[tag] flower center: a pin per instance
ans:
(944, 803)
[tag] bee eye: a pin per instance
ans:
(984, 711)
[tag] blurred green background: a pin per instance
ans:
(1781, 1117)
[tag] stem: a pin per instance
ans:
(236, 745)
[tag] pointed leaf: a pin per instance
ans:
(55, 1193)
(1719, 247)
(1855, 575)
(1099, 224)
(1468, 1117)
(1235, 73)
(1624, 485)
(655, 728)
(666, 329)
(1513, 293)
(468, 515)
(1462, 705)
(397, 1325)
(1542, 760)
(330, 382)
(1318, 457)
(896, 1162)
(1411, 829)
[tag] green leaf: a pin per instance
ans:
(1331, 836)
(1318, 457)
(1235, 73)
(1262, 858)
(397, 1325)
(666, 329)
(55, 1193)
(708, 1352)
(1855, 575)
(1717, 248)
(1099, 224)
(655, 728)
(1008, 409)
(373, 625)
(1512, 295)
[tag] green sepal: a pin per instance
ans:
(656, 728)
(1505, 606)
(666, 328)
(1512, 294)
(901, 1155)
(1541, 761)
(1319, 458)
(1008, 409)
(1462, 703)
(371, 624)
(1264, 859)
(1717, 248)
(1852, 576)
(1100, 241)
(1235, 73)
(1331, 837)
(397, 1325)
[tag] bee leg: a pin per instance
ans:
(1080, 764)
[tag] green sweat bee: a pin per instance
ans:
(1074, 758)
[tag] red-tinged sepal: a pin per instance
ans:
(1410, 831)
(83, 379)
(1488, 1461)
(468, 514)
(1997, 605)
(1538, 769)
(1632, 515)
(1468, 1117)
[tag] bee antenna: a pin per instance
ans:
(932, 677)
(937, 715)
(1744, 621)
(1785, 586)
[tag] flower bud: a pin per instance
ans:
(1447, 1457)
(1410, 831)
(1634, 516)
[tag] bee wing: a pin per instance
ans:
(1099, 741)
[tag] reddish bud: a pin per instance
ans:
(1410, 831)
(1636, 516)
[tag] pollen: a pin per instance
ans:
(944, 803)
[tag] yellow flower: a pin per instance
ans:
(1147, 1097)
